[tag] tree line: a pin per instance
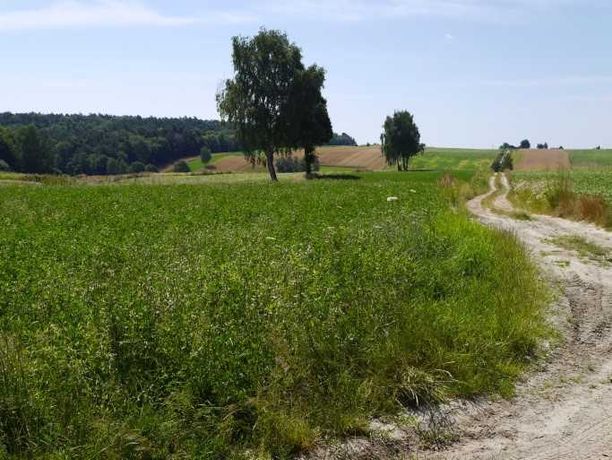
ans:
(105, 144)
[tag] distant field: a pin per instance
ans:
(591, 159)
(454, 159)
(214, 319)
(364, 158)
(584, 181)
(541, 160)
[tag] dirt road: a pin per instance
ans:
(564, 410)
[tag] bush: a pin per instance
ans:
(503, 161)
(181, 167)
(205, 155)
(137, 167)
(292, 164)
(151, 168)
(4, 166)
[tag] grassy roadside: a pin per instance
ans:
(224, 320)
(579, 195)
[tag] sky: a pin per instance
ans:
(475, 73)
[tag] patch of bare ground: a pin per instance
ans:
(563, 408)
(542, 160)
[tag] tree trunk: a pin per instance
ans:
(270, 163)
(308, 157)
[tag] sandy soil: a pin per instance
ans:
(563, 409)
(542, 160)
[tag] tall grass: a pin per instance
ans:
(215, 321)
(556, 194)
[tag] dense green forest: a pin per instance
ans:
(105, 144)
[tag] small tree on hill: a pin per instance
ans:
(401, 140)
(255, 100)
(525, 144)
(205, 155)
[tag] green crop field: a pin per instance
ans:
(210, 320)
(454, 159)
(585, 182)
(591, 159)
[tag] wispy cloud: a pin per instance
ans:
(79, 14)
(62, 14)
(356, 10)
(561, 80)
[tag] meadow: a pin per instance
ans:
(454, 159)
(591, 159)
(224, 320)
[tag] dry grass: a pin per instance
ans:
(542, 160)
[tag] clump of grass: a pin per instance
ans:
(583, 247)
(212, 321)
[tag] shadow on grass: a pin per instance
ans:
(336, 177)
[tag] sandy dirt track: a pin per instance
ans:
(542, 160)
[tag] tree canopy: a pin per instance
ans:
(104, 144)
(400, 140)
(309, 120)
(273, 101)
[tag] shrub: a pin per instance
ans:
(181, 167)
(150, 168)
(4, 166)
(205, 155)
(503, 161)
(291, 164)
(137, 167)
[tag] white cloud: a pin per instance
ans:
(100, 13)
(356, 10)
(449, 37)
(560, 80)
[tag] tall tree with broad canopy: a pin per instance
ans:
(309, 120)
(401, 140)
(256, 100)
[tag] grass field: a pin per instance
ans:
(208, 321)
(591, 159)
(195, 164)
(454, 159)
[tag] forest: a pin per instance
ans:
(105, 144)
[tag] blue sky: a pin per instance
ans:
(474, 72)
